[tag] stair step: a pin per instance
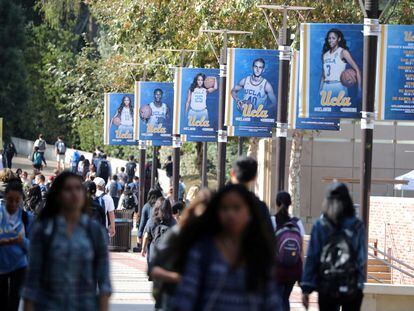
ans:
(378, 268)
(372, 281)
(381, 275)
(374, 261)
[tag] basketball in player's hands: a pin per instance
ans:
(348, 77)
(145, 112)
(117, 121)
(209, 82)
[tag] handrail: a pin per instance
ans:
(392, 266)
(374, 278)
(392, 258)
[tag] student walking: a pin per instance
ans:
(337, 254)
(9, 151)
(15, 226)
(41, 144)
(131, 167)
(289, 232)
(68, 264)
(230, 259)
(60, 151)
(104, 169)
(37, 159)
(106, 200)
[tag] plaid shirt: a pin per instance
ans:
(74, 270)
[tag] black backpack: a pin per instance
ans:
(129, 201)
(104, 170)
(130, 169)
(98, 210)
(158, 233)
(338, 269)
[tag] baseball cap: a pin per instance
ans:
(99, 181)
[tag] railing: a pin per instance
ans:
(387, 263)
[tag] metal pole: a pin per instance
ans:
(371, 31)
(282, 102)
(222, 129)
(142, 156)
(154, 165)
(204, 178)
(240, 146)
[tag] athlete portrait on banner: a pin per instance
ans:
(196, 104)
(119, 119)
(252, 86)
(154, 101)
(331, 75)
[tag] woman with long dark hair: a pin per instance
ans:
(15, 226)
(124, 116)
(227, 257)
(68, 263)
(335, 58)
(337, 254)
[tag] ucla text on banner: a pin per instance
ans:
(252, 85)
(395, 73)
(119, 119)
(331, 58)
(295, 122)
(154, 111)
(249, 131)
(196, 103)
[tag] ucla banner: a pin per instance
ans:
(252, 81)
(249, 131)
(296, 122)
(154, 102)
(119, 119)
(395, 73)
(196, 103)
(331, 57)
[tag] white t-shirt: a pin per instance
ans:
(333, 65)
(109, 203)
(199, 99)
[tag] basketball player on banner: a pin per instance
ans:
(257, 90)
(336, 77)
(124, 119)
(196, 104)
(156, 113)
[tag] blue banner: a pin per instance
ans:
(395, 73)
(252, 85)
(196, 103)
(331, 57)
(296, 122)
(154, 102)
(249, 131)
(119, 119)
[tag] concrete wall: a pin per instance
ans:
(25, 147)
(337, 154)
(380, 297)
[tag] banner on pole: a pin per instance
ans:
(252, 86)
(331, 58)
(154, 107)
(249, 131)
(119, 119)
(395, 73)
(296, 122)
(196, 103)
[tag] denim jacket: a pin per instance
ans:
(319, 237)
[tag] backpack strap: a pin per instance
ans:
(25, 221)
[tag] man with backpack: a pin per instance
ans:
(130, 167)
(74, 160)
(106, 200)
(104, 169)
(36, 159)
(41, 143)
(289, 234)
(128, 200)
(60, 151)
(337, 254)
(114, 189)
(9, 151)
(97, 204)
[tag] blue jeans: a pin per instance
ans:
(284, 290)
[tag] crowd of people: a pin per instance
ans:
(213, 251)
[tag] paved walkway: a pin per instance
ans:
(132, 291)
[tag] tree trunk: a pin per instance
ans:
(199, 159)
(295, 170)
(253, 147)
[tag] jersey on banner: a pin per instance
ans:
(331, 57)
(395, 80)
(196, 103)
(119, 119)
(249, 131)
(295, 122)
(154, 102)
(252, 80)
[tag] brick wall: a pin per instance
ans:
(392, 224)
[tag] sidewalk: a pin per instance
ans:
(132, 291)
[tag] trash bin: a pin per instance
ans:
(121, 242)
